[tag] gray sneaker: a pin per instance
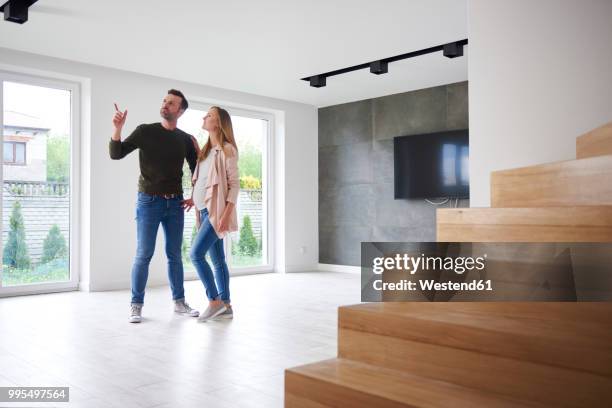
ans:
(182, 307)
(211, 312)
(136, 313)
(228, 314)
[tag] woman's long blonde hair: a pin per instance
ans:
(226, 131)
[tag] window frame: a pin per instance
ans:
(14, 146)
(75, 89)
(267, 187)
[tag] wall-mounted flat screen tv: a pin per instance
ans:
(432, 165)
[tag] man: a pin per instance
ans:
(163, 149)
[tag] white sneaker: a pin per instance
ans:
(228, 314)
(182, 307)
(211, 312)
(136, 313)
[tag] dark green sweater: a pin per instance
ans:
(162, 153)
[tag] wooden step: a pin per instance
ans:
(575, 336)
(597, 142)
(341, 383)
(545, 384)
(584, 182)
(553, 224)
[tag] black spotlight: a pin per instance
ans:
(453, 50)
(16, 11)
(318, 81)
(379, 67)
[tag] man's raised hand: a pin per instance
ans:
(119, 118)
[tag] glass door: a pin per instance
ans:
(37, 194)
(247, 250)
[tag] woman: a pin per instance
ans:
(215, 191)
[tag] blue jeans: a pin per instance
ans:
(150, 212)
(208, 241)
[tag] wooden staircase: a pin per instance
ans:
(503, 354)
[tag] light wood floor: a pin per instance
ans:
(83, 340)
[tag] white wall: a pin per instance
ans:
(109, 187)
(302, 179)
(540, 74)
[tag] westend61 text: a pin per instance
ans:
(404, 284)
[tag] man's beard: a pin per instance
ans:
(166, 115)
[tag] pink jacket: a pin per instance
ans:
(222, 186)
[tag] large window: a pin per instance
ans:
(38, 122)
(247, 250)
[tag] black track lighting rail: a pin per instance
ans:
(450, 50)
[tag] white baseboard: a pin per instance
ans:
(339, 268)
(125, 283)
(301, 268)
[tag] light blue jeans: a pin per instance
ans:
(207, 241)
(150, 212)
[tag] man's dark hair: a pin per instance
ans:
(176, 92)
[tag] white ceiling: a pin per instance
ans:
(262, 47)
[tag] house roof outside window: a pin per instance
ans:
(22, 121)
